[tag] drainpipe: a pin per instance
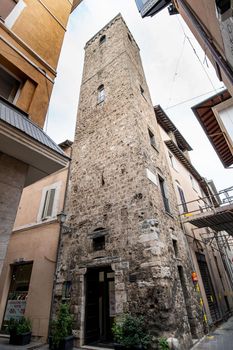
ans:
(59, 245)
(208, 41)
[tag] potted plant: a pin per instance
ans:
(131, 333)
(61, 337)
(20, 331)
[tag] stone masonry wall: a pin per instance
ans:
(109, 189)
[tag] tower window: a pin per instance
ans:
(175, 247)
(101, 94)
(102, 39)
(99, 243)
(152, 138)
(141, 90)
(66, 290)
(129, 37)
(164, 193)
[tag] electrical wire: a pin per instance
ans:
(176, 71)
(193, 98)
(195, 52)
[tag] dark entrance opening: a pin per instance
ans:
(100, 305)
(208, 286)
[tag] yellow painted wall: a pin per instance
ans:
(30, 48)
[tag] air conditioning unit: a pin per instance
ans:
(224, 9)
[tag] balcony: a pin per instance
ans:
(20, 138)
(205, 213)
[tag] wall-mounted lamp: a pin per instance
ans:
(61, 218)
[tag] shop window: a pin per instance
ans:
(102, 39)
(48, 204)
(18, 292)
(6, 6)
(66, 290)
(164, 193)
(101, 93)
(9, 85)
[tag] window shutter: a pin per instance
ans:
(48, 204)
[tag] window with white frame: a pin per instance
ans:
(9, 85)
(49, 202)
(101, 93)
(6, 6)
(173, 161)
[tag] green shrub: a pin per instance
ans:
(131, 331)
(19, 326)
(163, 344)
(62, 326)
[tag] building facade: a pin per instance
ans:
(26, 282)
(31, 36)
(210, 261)
(127, 252)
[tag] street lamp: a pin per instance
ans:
(61, 218)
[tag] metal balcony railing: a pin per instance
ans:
(208, 204)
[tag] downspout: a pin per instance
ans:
(213, 49)
(59, 245)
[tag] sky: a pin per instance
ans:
(177, 71)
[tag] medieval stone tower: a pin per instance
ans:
(126, 252)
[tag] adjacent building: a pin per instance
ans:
(27, 278)
(194, 194)
(127, 251)
(31, 36)
(211, 22)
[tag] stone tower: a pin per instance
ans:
(126, 252)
